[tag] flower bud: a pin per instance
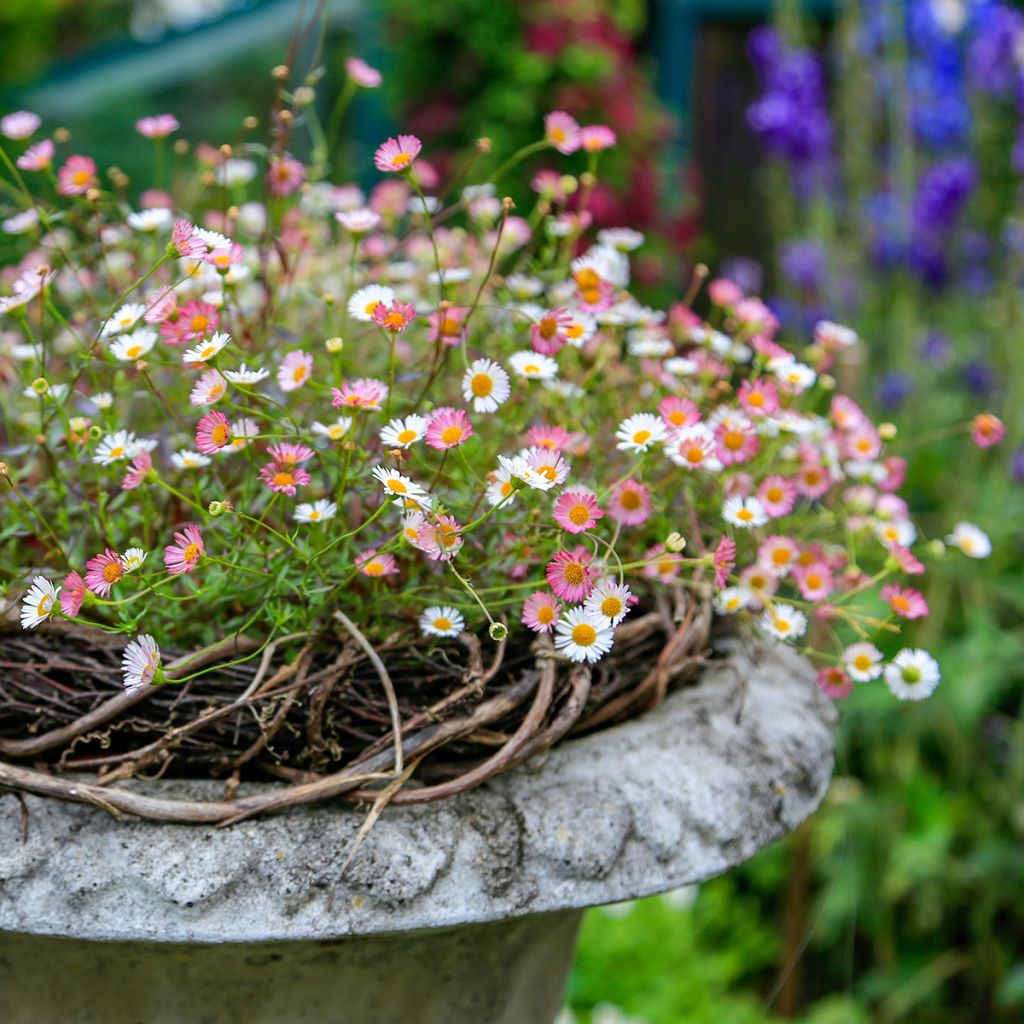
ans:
(675, 542)
(887, 431)
(498, 631)
(936, 548)
(304, 96)
(334, 345)
(96, 432)
(827, 381)
(40, 385)
(569, 184)
(220, 508)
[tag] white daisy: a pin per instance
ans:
(899, 531)
(401, 433)
(214, 239)
(971, 540)
(784, 622)
(102, 400)
(399, 486)
(122, 444)
(365, 301)
(863, 662)
(694, 447)
(912, 675)
(623, 239)
(159, 218)
(21, 223)
(133, 346)
(39, 603)
(123, 320)
(335, 431)
(502, 488)
(244, 375)
(533, 366)
(523, 287)
(486, 385)
(442, 620)
(316, 511)
(581, 330)
(582, 635)
(520, 469)
(188, 459)
(638, 432)
(140, 663)
(609, 601)
(732, 600)
(132, 559)
(744, 512)
(206, 350)
(788, 371)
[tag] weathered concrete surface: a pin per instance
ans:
(672, 797)
(503, 972)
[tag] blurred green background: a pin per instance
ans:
(861, 160)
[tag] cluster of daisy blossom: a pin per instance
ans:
(239, 400)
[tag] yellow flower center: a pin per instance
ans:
(900, 603)
(547, 328)
(451, 435)
(396, 486)
(774, 494)
(781, 625)
(547, 471)
(371, 307)
(81, 177)
(630, 500)
(545, 614)
(220, 435)
(641, 437)
(45, 603)
(481, 385)
(579, 514)
(406, 436)
(781, 556)
(862, 662)
(199, 324)
(695, 454)
(574, 574)
(134, 352)
(403, 160)
(299, 373)
(314, 514)
(374, 568)
(216, 391)
(191, 553)
(116, 453)
(583, 635)
(394, 321)
(284, 479)
(733, 440)
(443, 623)
(611, 606)
(506, 488)
(745, 515)
(112, 572)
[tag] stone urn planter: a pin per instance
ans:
(462, 912)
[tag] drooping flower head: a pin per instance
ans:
(184, 554)
(213, 433)
(39, 603)
(140, 663)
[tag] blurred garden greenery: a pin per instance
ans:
(889, 150)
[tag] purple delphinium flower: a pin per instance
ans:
(936, 349)
(894, 390)
(1017, 466)
(804, 263)
(979, 377)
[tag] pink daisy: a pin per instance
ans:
(778, 554)
(846, 413)
(577, 511)
(397, 154)
(906, 602)
(165, 307)
(549, 333)
(630, 503)
(225, 257)
(395, 319)
(19, 125)
(678, 412)
(77, 176)
(448, 428)
(562, 131)
(736, 440)
(906, 560)
(896, 473)
(446, 325)
(371, 564)
(192, 322)
(552, 438)
(103, 571)
(597, 137)
(72, 594)
(362, 393)
(295, 369)
(210, 388)
(213, 433)
(815, 581)
(987, 430)
(441, 540)
(777, 495)
(834, 682)
(38, 157)
(157, 126)
(540, 612)
(284, 479)
(862, 443)
(759, 397)
(362, 74)
(724, 292)
(141, 465)
(284, 176)
(724, 561)
(549, 464)
(593, 293)
(184, 554)
(665, 565)
(568, 574)
(289, 454)
(812, 479)
(185, 240)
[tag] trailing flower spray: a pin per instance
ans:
(245, 403)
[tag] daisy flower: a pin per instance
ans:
(286, 453)
(362, 393)
(399, 486)
(213, 433)
(37, 157)
(906, 560)
(533, 366)
(744, 513)
(552, 438)
(731, 600)
(638, 432)
(243, 431)
(812, 479)
(562, 131)
(72, 594)
(123, 320)
(568, 574)
(863, 661)
(140, 663)
(133, 558)
(629, 503)
(550, 332)
(122, 444)
(796, 377)
(815, 581)
(442, 620)
(190, 323)
(758, 397)
(446, 324)
(777, 495)
(678, 412)
(157, 219)
(501, 487)
(912, 675)
(185, 241)
(185, 458)
(583, 636)
(609, 601)
(831, 336)
(374, 565)
(211, 387)
(284, 176)
(784, 622)
(295, 369)
(971, 540)
(724, 561)
(448, 428)
(486, 385)
(183, 555)
(540, 612)
(441, 540)
(133, 346)
(157, 126)
(206, 350)
(577, 511)
(335, 431)
(315, 512)
(77, 176)
(394, 318)
(694, 448)
(397, 154)
(833, 682)
(360, 221)
(663, 564)
(19, 125)
(365, 301)
(900, 532)
(736, 439)
(906, 602)
(39, 603)
(547, 465)
(987, 430)
(402, 433)
(778, 554)
(595, 138)
(284, 479)
(142, 463)
(103, 571)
